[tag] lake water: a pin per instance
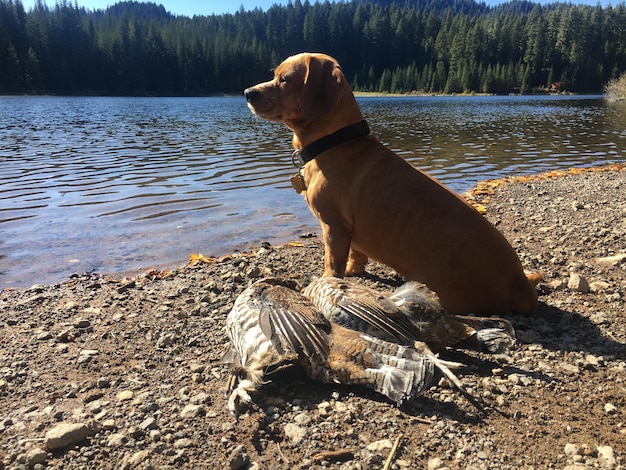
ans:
(125, 185)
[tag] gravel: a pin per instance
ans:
(100, 372)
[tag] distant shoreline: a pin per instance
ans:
(236, 95)
(416, 94)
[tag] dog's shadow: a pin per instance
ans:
(565, 330)
(551, 327)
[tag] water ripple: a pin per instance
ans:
(119, 184)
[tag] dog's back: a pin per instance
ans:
(409, 221)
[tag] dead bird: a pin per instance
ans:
(410, 313)
(271, 323)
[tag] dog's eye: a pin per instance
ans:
(282, 79)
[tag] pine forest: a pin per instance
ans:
(412, 46)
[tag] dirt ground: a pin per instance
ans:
(99, 372)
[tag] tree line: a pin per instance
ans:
(430, 46)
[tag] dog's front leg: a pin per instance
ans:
(336, 249)
(356, 262)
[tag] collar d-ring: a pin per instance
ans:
(297, 160)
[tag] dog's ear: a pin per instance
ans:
(322, 85)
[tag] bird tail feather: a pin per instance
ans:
(402, 373)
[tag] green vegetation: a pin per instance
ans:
(430, 46)
(615, 90)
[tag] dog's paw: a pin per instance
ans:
(356, 263)
(354, 272)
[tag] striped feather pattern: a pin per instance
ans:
(411, 313)
(270, 323)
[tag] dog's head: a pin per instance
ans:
(306, 87)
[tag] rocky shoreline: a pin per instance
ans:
(98, 372)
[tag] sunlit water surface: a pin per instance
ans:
(123, 185)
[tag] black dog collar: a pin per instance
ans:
(304, 155)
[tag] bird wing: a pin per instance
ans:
(369, 306)
(438, 328)
(292, 322)
(416, 296)
(442, 329)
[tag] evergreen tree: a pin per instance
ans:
(428, 45)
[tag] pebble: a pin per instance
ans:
(81, 323)
(125, 395)
(436, 464)
(592, 360)
(200, 398)
(611, 260)
(44, 336)
(557, 284)
(36, 456)
(380, 446)
(103, 382)
(572, 449)
(324, 408)
(599, 286)
(569, 369)
(88, 352)
(239, 458)
(191, 411)
(95, 311)
(66, 434)
(182, 443)
(135, 459)
(295, 433)
(578, 283)
(147, 424)
(116, 440)
(606, 456)
(302, 419)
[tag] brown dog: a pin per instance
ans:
(372, 203)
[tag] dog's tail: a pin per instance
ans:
(534, 278)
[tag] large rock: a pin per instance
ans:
(611, 260)
(578, 283)
(36, 456)
(67, 434)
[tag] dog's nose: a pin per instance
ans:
(250, 94)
